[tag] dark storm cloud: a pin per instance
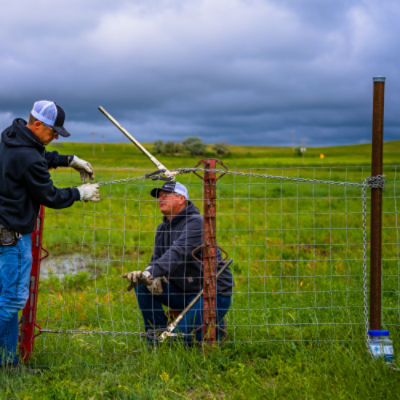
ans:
(240, 71)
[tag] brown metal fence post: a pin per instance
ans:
(209, 247)
(210, 255)
(376, 205)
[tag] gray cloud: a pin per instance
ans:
(241, 71)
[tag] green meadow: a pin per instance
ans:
(296, 324)
(127, 155)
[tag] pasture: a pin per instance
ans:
(296, 323)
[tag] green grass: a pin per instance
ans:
(275, 371)
(249, 156)
(296, 323)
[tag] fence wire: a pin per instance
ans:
(298, 238)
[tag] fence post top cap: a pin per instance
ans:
(379, 79)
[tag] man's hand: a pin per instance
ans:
(137, 278)
(84, 168)
(89, 192)
(155, 286)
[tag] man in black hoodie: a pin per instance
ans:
(174, 277)
(25, 184)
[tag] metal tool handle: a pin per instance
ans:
(176, 321)
(157, 163)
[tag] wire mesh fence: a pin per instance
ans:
(391, 250)
(295, 236)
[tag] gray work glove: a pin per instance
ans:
(89, 192)
(137, 278)
(155, 286)
(83, 167)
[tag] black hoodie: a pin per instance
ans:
(172, 257)
(25, 182)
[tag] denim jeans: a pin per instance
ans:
(154, 316)
(15, 268)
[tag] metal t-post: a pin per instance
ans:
(210, 248)
(376, 205)
(210, 254)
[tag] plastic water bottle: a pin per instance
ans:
(374, 343)
(388, 349)
(380, 345)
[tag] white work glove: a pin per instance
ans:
(84, 168)
(89, 192)
(155, 286)
(137, 278)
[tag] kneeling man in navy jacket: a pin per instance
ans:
(173, 276)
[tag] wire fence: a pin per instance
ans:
(391, 252)
(298, 238)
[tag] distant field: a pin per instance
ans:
(127, 155)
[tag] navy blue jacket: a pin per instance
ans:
(172, 257)
(25, 181)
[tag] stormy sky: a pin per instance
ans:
(269, 72)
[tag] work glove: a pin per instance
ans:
(155, 286)
(89, 192)
(137, 278)
(83, 167)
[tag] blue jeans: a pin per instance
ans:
(15, 268)
(154, 316)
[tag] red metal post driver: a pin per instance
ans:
(28, 321)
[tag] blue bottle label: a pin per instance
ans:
(375, 350)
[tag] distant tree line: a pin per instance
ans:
(192, 145)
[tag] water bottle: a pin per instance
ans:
(388, 349)
(374, 343)
(380, 345)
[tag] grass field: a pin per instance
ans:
(126, 155)
(296, 323)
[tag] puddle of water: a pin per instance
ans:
(65, 264)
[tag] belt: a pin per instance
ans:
(7, 237)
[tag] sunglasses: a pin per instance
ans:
(53, 132)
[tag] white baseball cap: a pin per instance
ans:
(51, 114)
